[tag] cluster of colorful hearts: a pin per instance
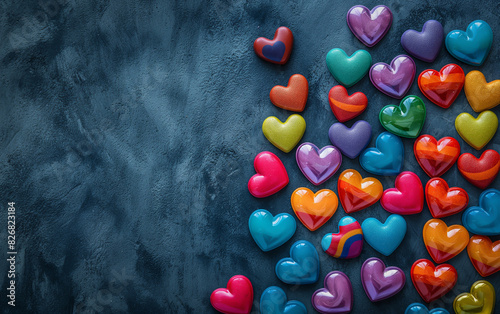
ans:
(387, 158)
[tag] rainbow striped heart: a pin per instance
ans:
(348, 243)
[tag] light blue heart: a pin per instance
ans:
(418, 308)
(485, 218)
(270, 232)
(384, 237)
(302, 267)
(348, 70)
(274, 301)
(473, 45)
(386, 158)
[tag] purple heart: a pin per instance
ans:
(369, 26)
(351, 141)
(424, 45)
(318, 165)
(381, 282)
(336, 296)
(394, 80)
(274, 52)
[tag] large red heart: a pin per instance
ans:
(294, 96)
(480, 172)
(346, 107)
(436, 157)
(443, 87)
(276, 50)
(407, 197)
(236, 299)
(271, 175)
(432, 282)
(444, 201)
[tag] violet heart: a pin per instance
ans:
(336, 296)
(369, 26)
(424, 45)
(351, 141)
(381, 282)
(394, 80)
(318, 165)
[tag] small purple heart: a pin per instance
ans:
(336, 296)
(274, 52)
(351, 141)
(318, 165)
(394, 80)
(424, 45)
(381, 282)
(369, 26)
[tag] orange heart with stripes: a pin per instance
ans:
(484, 255)
(346, 107)
(480, 171)
(314, 209)
(443, 87)
(443, 242)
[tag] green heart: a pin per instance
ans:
(286, 135)
(348, 70)
(405, 120)
(477, 132)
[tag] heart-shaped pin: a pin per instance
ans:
(284, 136)
(436, 157)
(405, 120)
(424, 45)
(485, 218)
(351, 141)
(346, 107)
(278, 49)
(432, 282)
(274, 301)
(356, 193)
(419, 308)
(443, 242)
(380, 282)
(347, 243)
(318, 165)
(348, 70)
(443, 87)
(481, 299)
(481, 94)
(237, 298)
(294, 96)
(369, 26)
(480, 172)
(484, 255)
(336, 296)
(407, 197)
(472, 46)
(271, 175)
(314, 210)
(384, 237)
(395, 79)
(270, 232)
(386, 158)
(444, 201)
(477, 132)
(302, 267)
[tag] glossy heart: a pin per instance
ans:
(270, 232)
(480, 172)
(407, 197)
(484, 255)
(432, 282)
(472, 46)
(380, 282)
(485, 218)
(369, 26)
(351, 141)
(436, 157)
(314, 210)
(444, 201)
(405, 120)
(237, 298)
(481, 299)
(424, 45)
(384, 237)
(348, 70)
(356, 193)
(477, 132)
(386, 158)
(395, 79)
(302, 267)
(318, 165)
(274, 301)
(347, 243)
(294, 96)
(346, 107)
(481, 94)
(443, 242)
(419, 308)
(278, 49)
(336, 296)
(443, 87)
(284, 136)
(271, 175)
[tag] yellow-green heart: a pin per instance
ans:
(480, 300)
(286, 135)
(405, 120)
(477, 132)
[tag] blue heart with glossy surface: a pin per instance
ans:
(302, 267)
(418, 308)
(473, 45)
(274, 301)
(348, 70)
(384, 237)
(274, 52)
(270, 232)
(485, 218)
(386, 158)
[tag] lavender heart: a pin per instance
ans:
(351, 141)
(424, 45)
(394, 80)
(381, 282)
(336, 296)
(369, 26)
(318, 165)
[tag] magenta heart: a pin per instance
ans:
(394, 80)
(381, 282)
(369, 26)
(318, 165)
(336, 296)
(407, 197)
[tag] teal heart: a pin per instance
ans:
(405, 120)
(270, 232)
(348, 70)
(302, 267)
(386, 158)
(419, 308)
(384, 237)
(274, 301)
(473, 45)
(485, 218)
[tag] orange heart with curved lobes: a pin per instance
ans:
(292, 97)
(480, 94)
(314, 209)
(444, 201)
(356, 193)
(484, 255)
(443, 242)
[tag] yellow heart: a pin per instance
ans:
(286, 135)
(480, 300)
(477, 132)
(480, 94)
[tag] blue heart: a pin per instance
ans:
(418, 308)
(274, 52)
(387, 158)
(384, 237)
(302, 267)
(270, 232)
(485, 218)
(273, 301)
(472, 46)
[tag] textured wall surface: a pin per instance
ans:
(128, 130)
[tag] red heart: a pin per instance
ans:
(436, 157)
(294, 96)
(480, 172)
(236, 299)
(271, 175)
(444, 201)
(407, 197)
(282, 36)
(432, 282)
(443, 87)
(346, 107)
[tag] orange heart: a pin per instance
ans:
(294, 96)
(314, 210)
(484, 255)
(356, 193)
(443, 242)
(480, 94)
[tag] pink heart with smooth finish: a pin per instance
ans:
(407, 197)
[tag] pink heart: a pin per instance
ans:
(336, 296)
(381, 282)
(271, 175)
(394, 80)
(407, 197)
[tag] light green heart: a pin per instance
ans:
(286, 135)
(477, 132)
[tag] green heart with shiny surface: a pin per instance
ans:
(286, 135)
(405, 120)
(348, 70)
(477, 132)
(480, 300)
